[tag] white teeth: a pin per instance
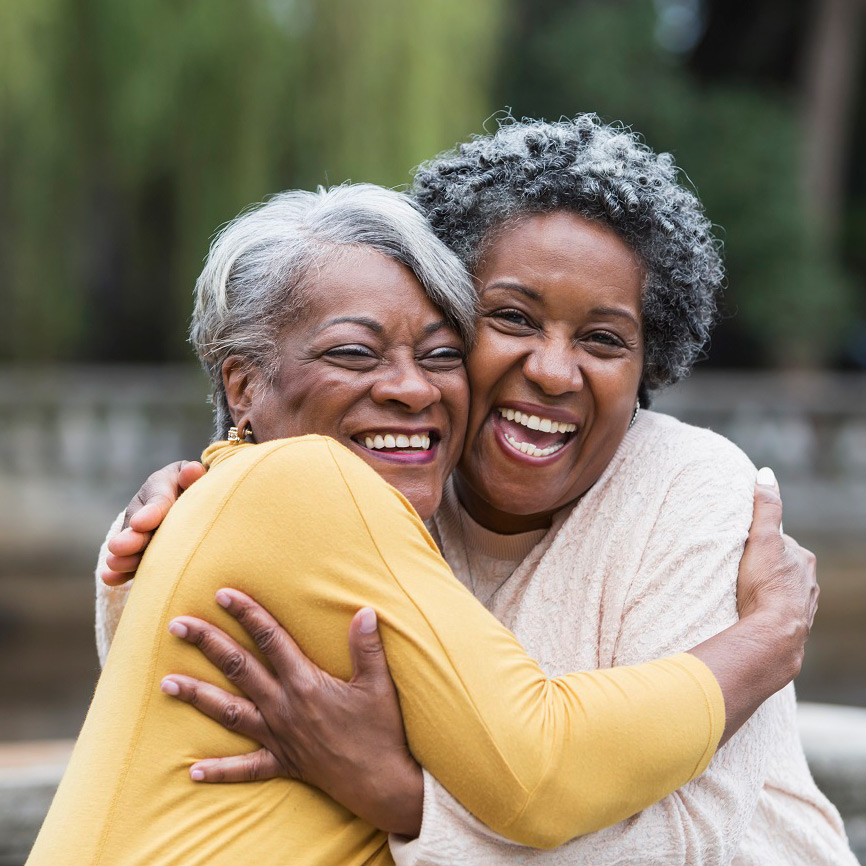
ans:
(531, 450)
(377, 441)
(534, 422)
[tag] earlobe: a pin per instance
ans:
(241, 385)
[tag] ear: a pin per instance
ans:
(241, 381)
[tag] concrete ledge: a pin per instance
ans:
(834, 739)
(29, 775)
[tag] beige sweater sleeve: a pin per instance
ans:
(110, 600)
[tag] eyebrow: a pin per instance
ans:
(364, 321)
(514, 286)
(536, 296)
(616, 311)
(376, 327)
(433, 327)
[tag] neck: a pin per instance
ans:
(503, 522)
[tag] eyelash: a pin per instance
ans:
(351, 351)
(608, 339)
(511, 316)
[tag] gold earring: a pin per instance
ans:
(239, 435)
(634, 414)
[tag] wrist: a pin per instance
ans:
(779, 634)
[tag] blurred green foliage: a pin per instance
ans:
(129, 132)
(740, 146)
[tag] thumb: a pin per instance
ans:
(190, 472)
(767, 516)
(366, 650)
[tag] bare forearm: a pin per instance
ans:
(752, 660)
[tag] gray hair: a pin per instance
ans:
(601, 172)
(261, 263)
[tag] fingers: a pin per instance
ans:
(231, 711)
(252, 767)
(161, 490)
(128, 543)
(239, 666)
(122, 564)
(115, 578)
(150, 514)
(366, 651)
(273, 641)
(767, 519)
(190, 472)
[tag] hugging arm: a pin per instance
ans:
(513, 745)
(777, 586)
(684, 591)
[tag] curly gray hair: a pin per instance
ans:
(263, 262)
(604, 173)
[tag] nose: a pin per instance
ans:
(406, 383)
(554, 368)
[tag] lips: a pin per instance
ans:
(536, 436)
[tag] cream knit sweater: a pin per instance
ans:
(644, 566)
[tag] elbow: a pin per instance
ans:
(547, 821)
(539, 831)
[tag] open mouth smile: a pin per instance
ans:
(532, 435)
(417, 447)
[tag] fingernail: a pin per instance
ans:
(196, 775)
(223, 599)
(169, 687)
(178, 629)
(368, 620)
(766, 477)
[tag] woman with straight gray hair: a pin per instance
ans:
(338, 313)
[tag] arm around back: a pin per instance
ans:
(313, 534)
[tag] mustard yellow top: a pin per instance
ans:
(314, 534)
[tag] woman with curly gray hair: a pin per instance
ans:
(602, 534)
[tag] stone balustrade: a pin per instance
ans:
(78, 441)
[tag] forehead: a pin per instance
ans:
(561, 251)
(360, 280)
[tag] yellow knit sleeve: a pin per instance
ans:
(314, 534)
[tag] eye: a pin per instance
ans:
(352, 355)
(443, 358)
(511, 317)
(351, 351)
(606, 338)
(604, 342)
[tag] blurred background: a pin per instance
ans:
(130, 132)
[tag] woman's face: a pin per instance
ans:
(555, 373)
(373, 364)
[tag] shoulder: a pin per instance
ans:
(301, 459)
(305, 473)
(676, 449)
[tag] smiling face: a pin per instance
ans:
(373, 364)
(555, 372)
